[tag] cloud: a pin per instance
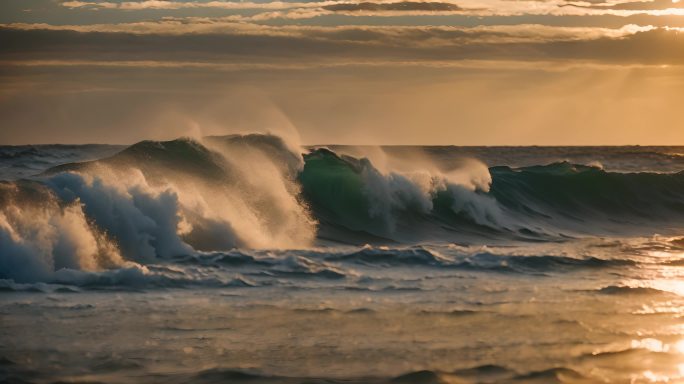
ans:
(433, 6)
(400, 35)
(170, 5)
(302, 10)
(221, 41)
(394, 6)
(284, 10)
(659, 5)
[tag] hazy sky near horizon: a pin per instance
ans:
(462, 72)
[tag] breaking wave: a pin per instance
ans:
(548, 202)
(154, 200)
(157, 201)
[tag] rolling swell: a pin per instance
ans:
(582, 193)
(539, 202)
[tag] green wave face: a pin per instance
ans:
(584, 193)
(333, 187)
(533, 201)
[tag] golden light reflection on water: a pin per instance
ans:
(655, 345)
(669, 278)
(660, 289)
(658, 346)
(672, 286)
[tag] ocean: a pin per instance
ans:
(250, 259)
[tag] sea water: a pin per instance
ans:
(243, 259)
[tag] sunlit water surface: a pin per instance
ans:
(587, 311)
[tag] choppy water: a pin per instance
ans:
(240, 259)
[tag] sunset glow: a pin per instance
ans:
(341, 191)
(466, 72)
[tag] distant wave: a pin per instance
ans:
(419, 256)
(627, 290)
(485, 372)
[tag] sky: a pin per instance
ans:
(445, 72)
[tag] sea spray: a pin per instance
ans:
(39, 235)
(236, 191)
(155, 200)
